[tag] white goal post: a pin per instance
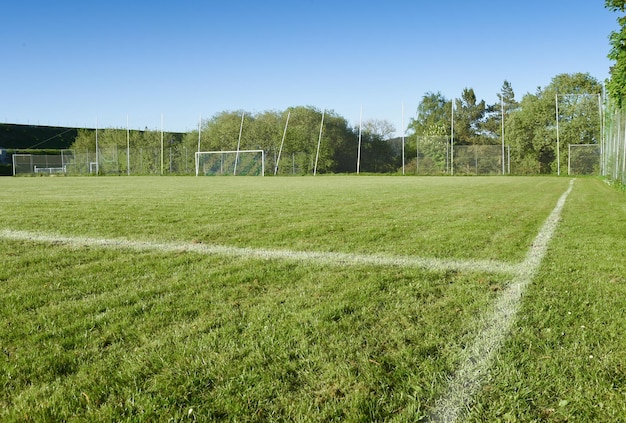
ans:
(234, 162)
(51, 170)
(583, 159)
(39, 164)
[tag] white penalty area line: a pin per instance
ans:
(477, 357)
(322, 258)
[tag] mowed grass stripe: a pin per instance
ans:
(327, 258)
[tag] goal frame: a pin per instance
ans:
(569, 156)
(237, 152)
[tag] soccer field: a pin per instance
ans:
(330, 298)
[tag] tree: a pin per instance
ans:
(531, 128)
(616, 85)
(221, 132)
(530, 134)
(433, 116)
(382, 129)
(492, 128)
(264, 132)
(468, 118)
(427, 146)
(377, 154)
(339, 145)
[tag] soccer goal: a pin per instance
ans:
(583, 159)
(46, 164)
(241, 162)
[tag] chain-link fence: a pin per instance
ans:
(583, 159)
(479, 160)
(613, 149)
(175, 160)
(38, 164)
(431, 157)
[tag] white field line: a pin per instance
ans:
(477, 358)
(325, 258)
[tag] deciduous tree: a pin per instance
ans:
(617, 83)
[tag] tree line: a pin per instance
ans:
(528, 127)
(567, 110)
(293, 133)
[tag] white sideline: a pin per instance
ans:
(477, 357)
(327, 258)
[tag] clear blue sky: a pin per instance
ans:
(69, 63)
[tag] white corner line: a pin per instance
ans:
(477, 357)
(325, 258)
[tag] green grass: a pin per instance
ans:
(120, 335)
(566, 358)
(446, 217)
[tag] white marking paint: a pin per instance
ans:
(327, 258)
(477, 358)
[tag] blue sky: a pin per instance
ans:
(70, 63)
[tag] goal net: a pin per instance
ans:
(39, 164)
(583, 159)
(478, 160)
(242, 162)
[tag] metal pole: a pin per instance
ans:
(161, 143)
(280, 150)
(403, 138)
(238, 143)
(319, 142)
(358, 155)
(199, 131)
(417, 147)
(623, 157)
(452, 141)
(502, 107)
(197, 156)
(97, 150)
(508, 150)
(569, 159)
(558, 143)
(127, 147)
(601, 140)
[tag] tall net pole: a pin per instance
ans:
(319, 142)
(502, 110)
(127, 147)
(403, 133)
(97, 151)
(199, 131)
(282, 142)
(558, 142)
(239, 142)
(452, 140)
(162, 144)
(358, 154)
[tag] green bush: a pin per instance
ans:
(6, 170)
